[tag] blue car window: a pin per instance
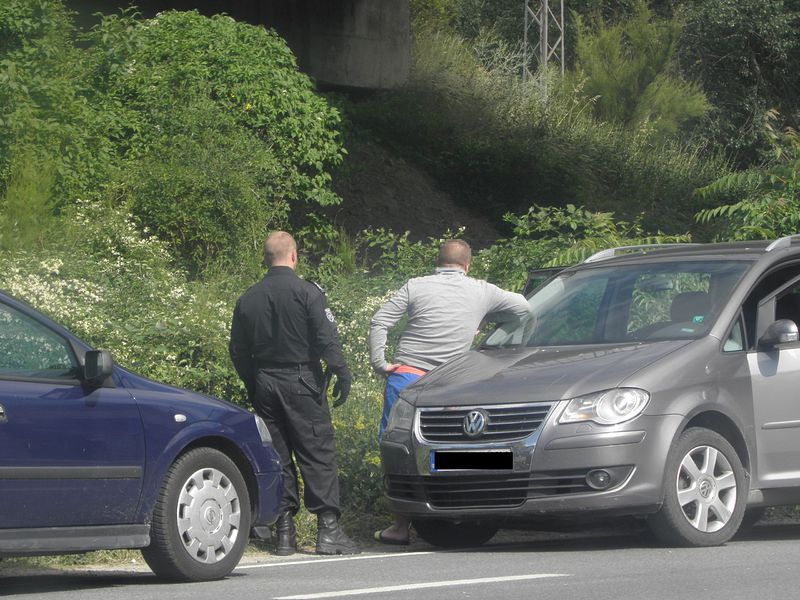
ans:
(28, 349)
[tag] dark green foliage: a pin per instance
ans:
(552, 237)
(765, 202)
(44, 112)
(26, 210)
(629, 69)
(204, 127)
(222, 130)
(247, 71)
(202, 187)
(746, 53)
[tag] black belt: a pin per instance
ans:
(279, 366)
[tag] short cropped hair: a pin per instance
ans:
(278, 247)
(454, 253)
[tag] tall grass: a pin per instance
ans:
(26, 206)
(499, 145)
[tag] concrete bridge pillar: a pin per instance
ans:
(354, 43)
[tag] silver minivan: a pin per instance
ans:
(658, 381)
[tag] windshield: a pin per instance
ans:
(643, 302)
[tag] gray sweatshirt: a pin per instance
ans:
(444, 312)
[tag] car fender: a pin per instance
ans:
(157, 466)
(719, 417)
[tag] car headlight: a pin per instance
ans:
(401, 417)
(263, 432)
(607, 408)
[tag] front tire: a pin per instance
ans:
(705, 491)
(451, 534)
(201, 520)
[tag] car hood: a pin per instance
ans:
(511, 375)
(202, 405)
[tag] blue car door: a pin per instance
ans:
(70, 454)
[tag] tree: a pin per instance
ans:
(629, 68)
(768, 198)
(747, 55)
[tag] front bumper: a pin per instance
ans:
(549, 473)
(269, 483)
(270, 492)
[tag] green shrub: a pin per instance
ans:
(202, 188)
(248, 71)
(746, 53)
(204, 127)
(26, 209)
(629, 68)
(765, 201)
(221, 130)
(44, 110)
(121, 291)
(552, 237)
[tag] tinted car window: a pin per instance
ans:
(30, 350)
(641, 302)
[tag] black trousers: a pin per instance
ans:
(299, 422)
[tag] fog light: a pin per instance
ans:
(598, 479)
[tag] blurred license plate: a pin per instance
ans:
(483, 460)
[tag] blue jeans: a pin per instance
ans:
(395, 383)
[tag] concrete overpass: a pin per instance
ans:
(349, 43)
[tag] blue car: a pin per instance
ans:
(93, 456)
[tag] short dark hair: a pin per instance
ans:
(454, 253)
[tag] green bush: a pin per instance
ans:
(222, 131)
(203, 188)
(45, 114)
(553, 237)
(121, 291)
(203, 127)
(629, 68)
(765, 201)
(746, 53)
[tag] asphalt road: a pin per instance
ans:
(762, 564)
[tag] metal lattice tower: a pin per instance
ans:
(543, 38)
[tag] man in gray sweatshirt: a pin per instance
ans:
(444, 310)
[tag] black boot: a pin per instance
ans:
(330, 537)
(287, 535)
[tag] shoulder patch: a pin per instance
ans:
(329, 314)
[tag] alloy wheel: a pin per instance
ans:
(706, 487)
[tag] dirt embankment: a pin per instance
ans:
(380, 189)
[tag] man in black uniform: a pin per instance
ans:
(281, 329)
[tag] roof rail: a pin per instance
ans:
(612, 252)
(783, 242)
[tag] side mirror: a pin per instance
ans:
(782, 331)
(98, 365)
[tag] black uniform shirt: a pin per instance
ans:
(282, 319)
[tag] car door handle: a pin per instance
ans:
(3, 418)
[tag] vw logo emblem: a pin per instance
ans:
(475, 423)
